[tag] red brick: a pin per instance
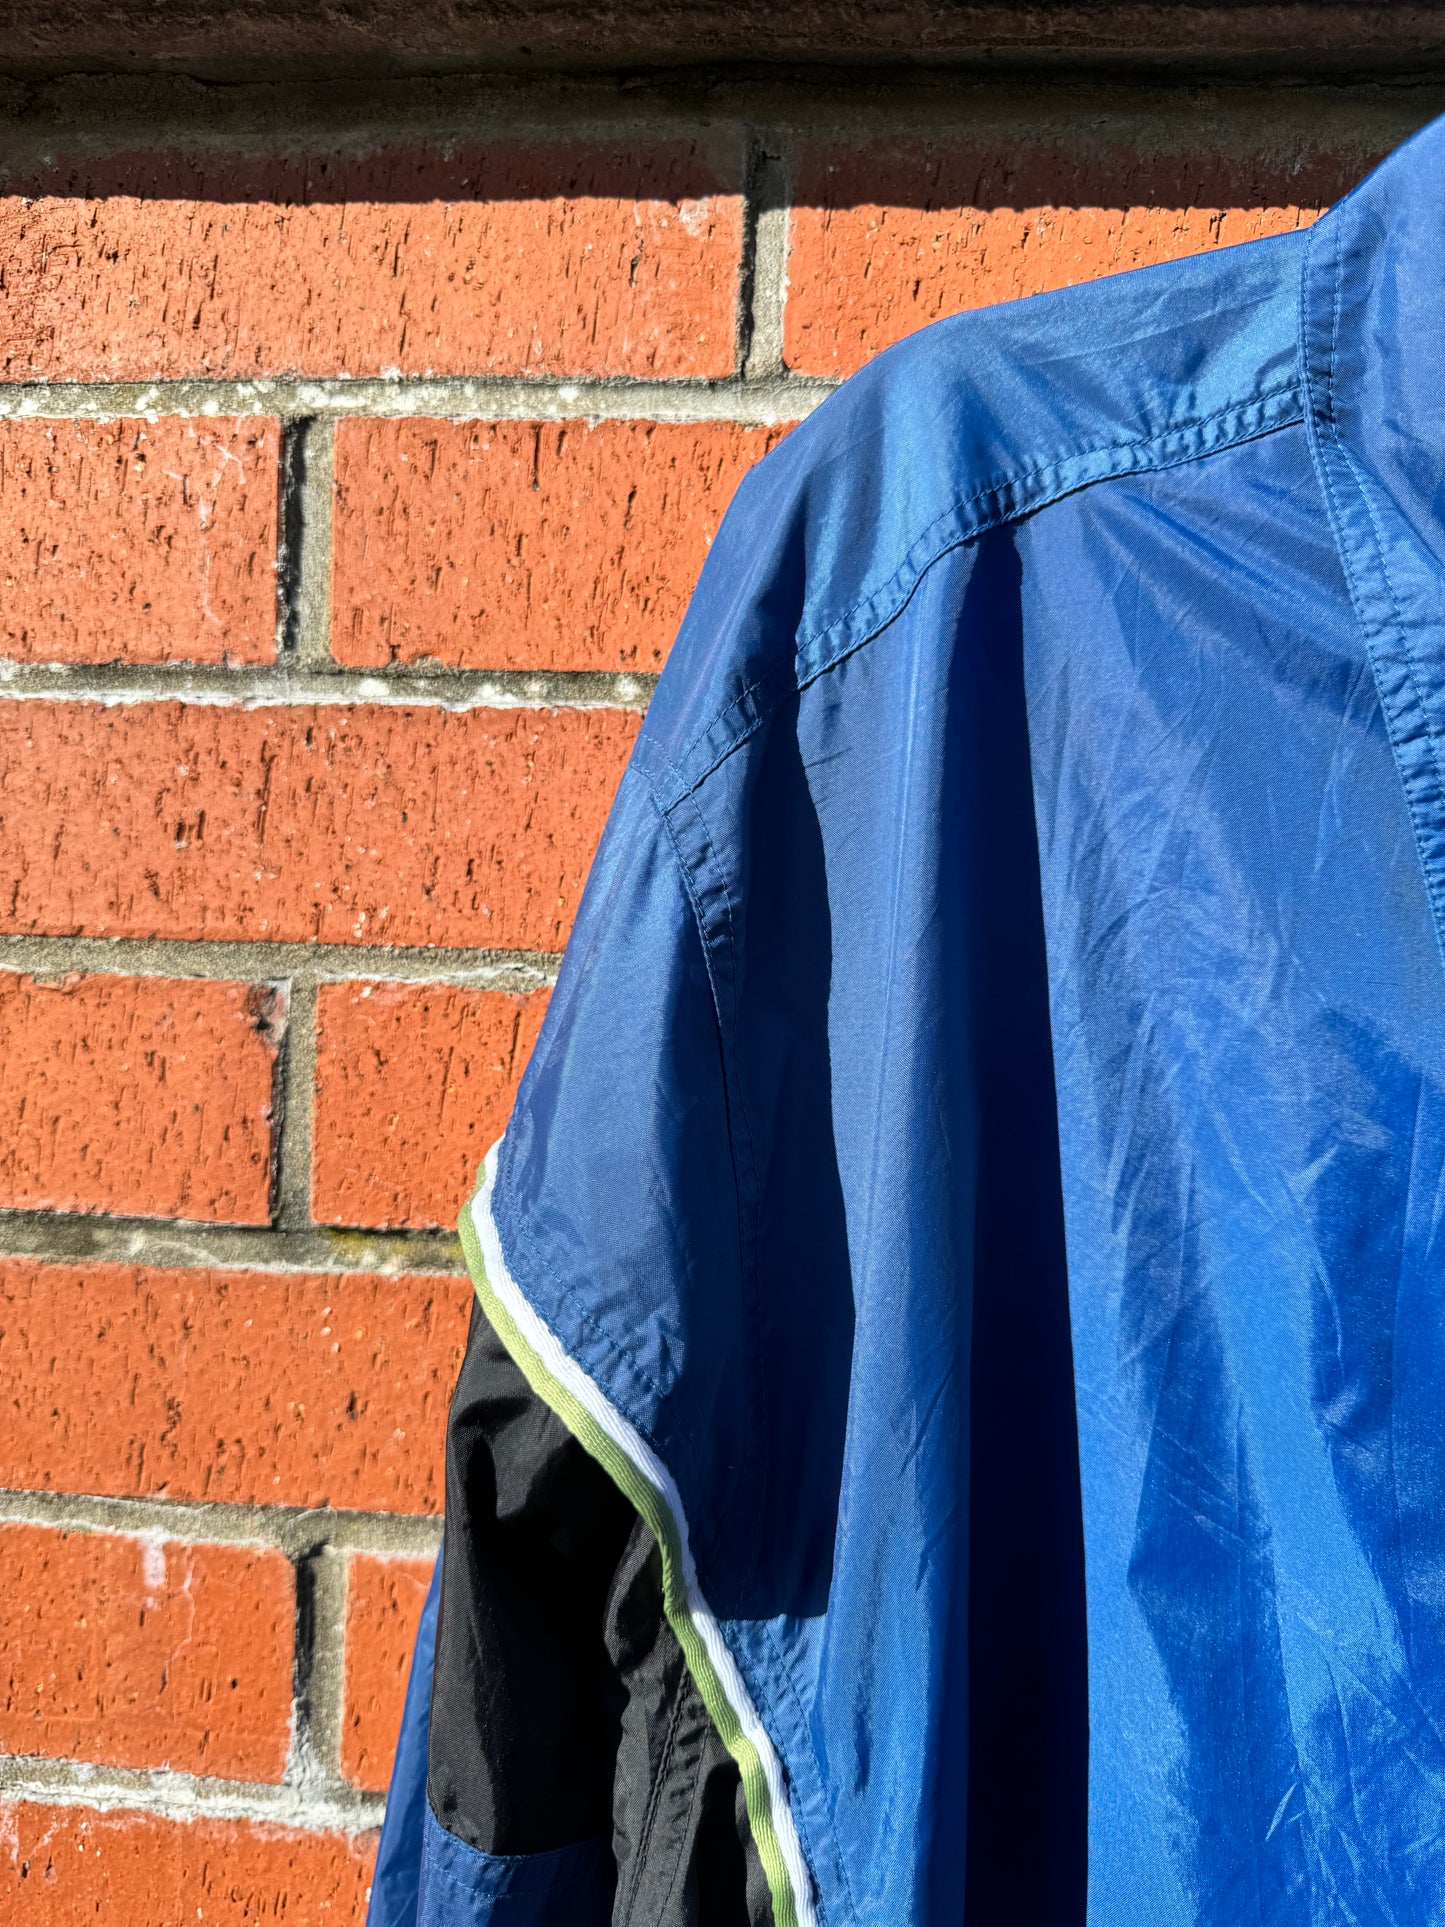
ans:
(414, 1084)
(138, 1095)
(72, 1866)
(525, 545)
(254, 1387)
(619, 259)
(363, 825)
(384, 1598)
(133, 541)
(887, 238)
(145, 1652)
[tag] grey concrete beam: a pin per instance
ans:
(368, 37)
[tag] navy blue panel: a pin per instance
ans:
(460, 1887)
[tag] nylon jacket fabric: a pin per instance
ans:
(562, 1718)
(978, 1189)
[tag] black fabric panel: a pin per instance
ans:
(756, 1898)
(524, 1703)
(562, 1709)
(680, 1834)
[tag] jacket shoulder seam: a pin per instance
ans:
(1006, 499)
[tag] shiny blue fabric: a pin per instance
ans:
(989, 1133)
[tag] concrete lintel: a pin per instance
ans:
(274, 37)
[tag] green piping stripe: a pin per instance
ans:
(658, 1518)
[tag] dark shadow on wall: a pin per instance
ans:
(1091, 170)
(287, 170)
(666, 161)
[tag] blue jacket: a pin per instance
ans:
(980, 1188)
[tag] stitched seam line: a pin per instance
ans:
(756, 1430)
(654, 1798)
(1045, 469)
(632, 1463)
(806, 1726)
(699, 1787)
(733, 1098)
(786, 680)
(526, 1875)
(1415, 779)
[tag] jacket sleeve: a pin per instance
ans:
(608, 1238)
(615, 1245)
(555, 1766)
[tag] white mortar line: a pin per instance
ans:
(239, 960)
(284, 687)
(763, 402)
(313, 1803)
(73, 1237)
(295, 1531)
(769, 267)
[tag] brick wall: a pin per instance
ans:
(356, 460)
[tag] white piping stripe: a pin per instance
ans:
(570, 1375)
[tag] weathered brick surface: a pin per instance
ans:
(525, 545)
(137, 1095)
(384, 1598)
(64, 1866)
(363, 825)
(888, 237)
(144, 1652)
(491, 545)
(279, 1388)
(414, 1083)
(619, 259)
(134, 541)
